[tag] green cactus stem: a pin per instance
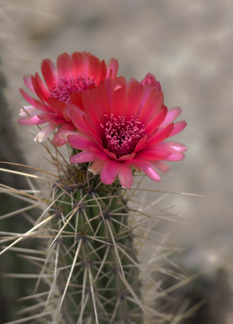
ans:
(97, 273)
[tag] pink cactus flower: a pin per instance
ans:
(122, 125)
(74, 73)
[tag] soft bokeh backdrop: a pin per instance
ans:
(188, 46)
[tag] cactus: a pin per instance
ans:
(87, 268)
(93, 228)
(97, 261)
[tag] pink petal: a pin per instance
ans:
(156, 121)
(153, 154)
(64, 66)
(112, 68)
(172, 146)
(178, 147)
(147, 89)
(70, 107)
(28, 98)
(151, 106)
(137, 161)
(57, 139)
(172, 114)
(130, 82)
(43, 106)
(82, 157)
(81, 142)
(162, 166)
(160, 135)
(110, 154)
(101, 101)
(133, 99)
(109, 172)
(45, 132)
(49, 73)
(125, 176)
(118, 102)
(99, 154)
(103, 71)
(33, 120)
(109, 86)
(28, 82)
(78, 121)
(76, 99)
(51, 118)
(86, 57)
(57, 106)
(150, 78)
(29, 111)
(175, 157)
(140, 144)
(92, 132)
(77, 64)
(90, 109)
(64, 133)
(150, 171)
(178, 127)
(97, 166)
(94, 67)
(176, 150)
(127, 157)
(40, 89)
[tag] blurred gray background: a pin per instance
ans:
(188, 46)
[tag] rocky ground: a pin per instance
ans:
(188, 46)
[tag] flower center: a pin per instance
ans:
(63, 89)
(121, 135)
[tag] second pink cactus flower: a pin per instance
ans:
(73, 74)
